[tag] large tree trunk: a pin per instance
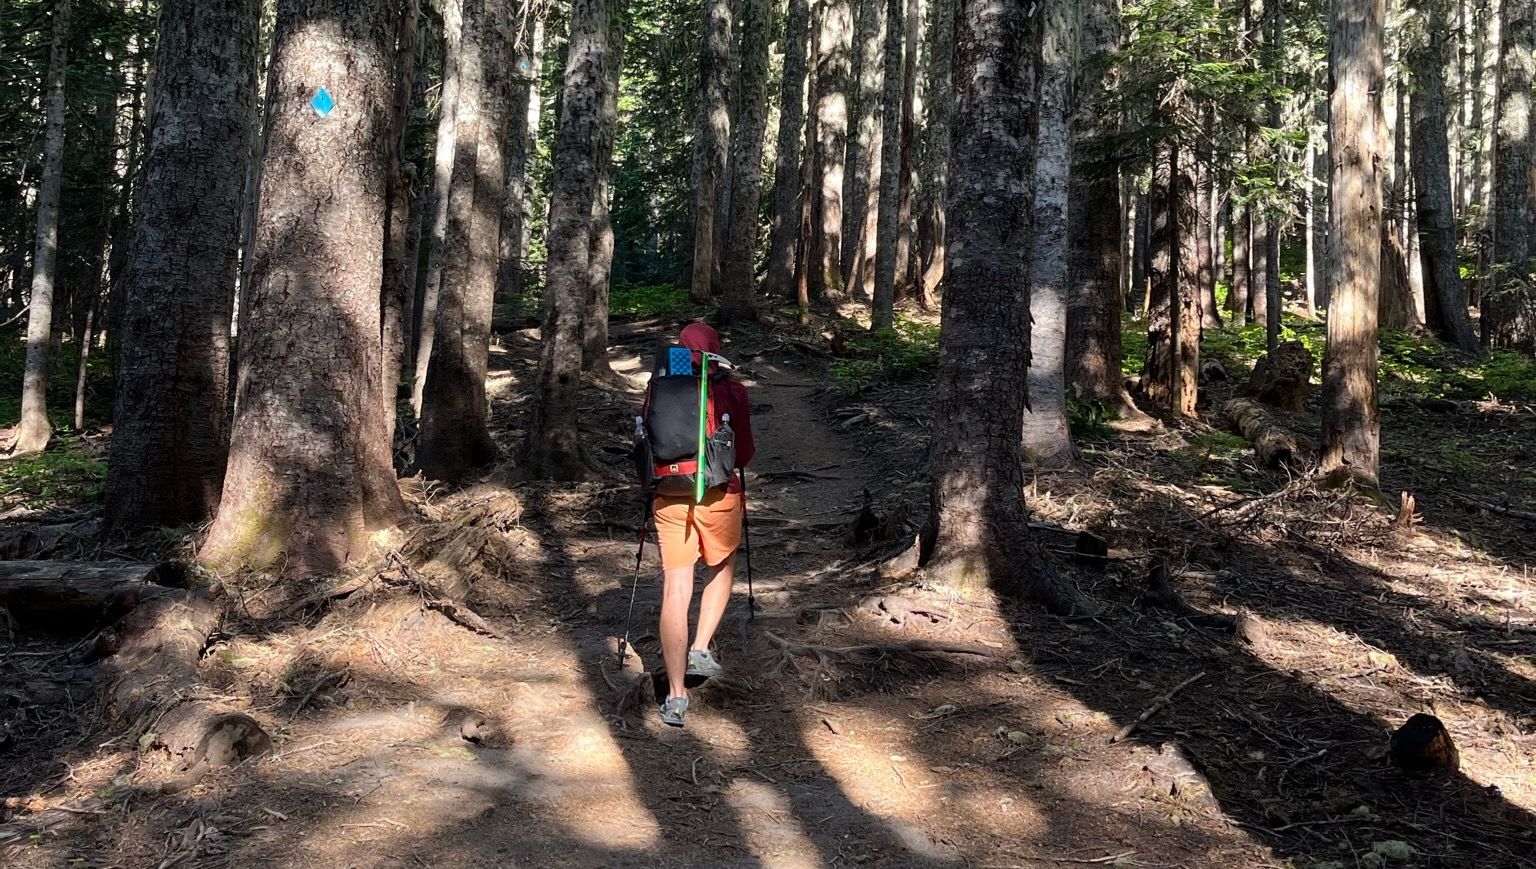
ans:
(1207, 218)
(1171, 374)
(712, 139)
(834, 23)
(740, 255)
(553, 448)
(594, 324)
(1242, 264)
(34, 430)
(1509, 307)
(788, 187)
(883, 312)
(397, 295)
(1351, 420)
(1095, 240)
(309, 471)
(455, 415)
(978, 533)
(936, 175)
(442, 183)
(1432, 182)
(906, 242)
(170, 430)
(864, 169)
(1047, 438)
(522, 143)
(1273, 305)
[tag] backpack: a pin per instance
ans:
(670, 446)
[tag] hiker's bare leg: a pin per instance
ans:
(676, 596)
(717, 595)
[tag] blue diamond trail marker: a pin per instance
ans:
(322, 102)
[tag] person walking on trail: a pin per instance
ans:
(691, 529)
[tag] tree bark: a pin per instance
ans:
(1444, 293)
(978, 534)
(1095, 299)
(1275, 446)
(442, 183)
(170, 430)
(788, 188)
(1210, 316)
(906, 241)
(1242, 264)
(1351, 419)
(594, 325)
(936, 174)
(883, 312)
(1047, 438)
(834, 23)
(309, 473)
(864, 168)
(1171, 374)
(740, 256)
(712, 143)
(553, 448)
(1273, 304)
(522, 143)
(455, 414)
(34, 430)
(1509, 306)
(397, 295)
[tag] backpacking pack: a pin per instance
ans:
(680, 450)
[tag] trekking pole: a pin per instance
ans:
(746, 537)
(634, 586)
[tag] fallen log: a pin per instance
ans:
(1275, 446)
(79, 596)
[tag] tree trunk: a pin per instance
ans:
(553, 448)
(1351, 420)
(978, 533)
(442, 183)
(1242, 264)
(1432, 181)
(1394, 303)
(883, 312)
(1096, 301)
(712, 142)
(170, 430)
(1509, 307)
(77, 595)
(906, 247)
(788, 188)
(936, 176)
(34, 430)
(740, 255)
(397, 295)
(1273, 305)
(834, 23)
(522, 144)
(1047, 439)
(864, 169)
(455, 414)
(1171, 374)
(1210, 317)
(1162, 281)
(1186, 319)
(594, 324)
(309, 472)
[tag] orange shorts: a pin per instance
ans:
(689, 531)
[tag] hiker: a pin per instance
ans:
(690, 528)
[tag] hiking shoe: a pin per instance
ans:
(672, 711)
(702, 667)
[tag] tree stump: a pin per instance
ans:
(1283, 379)
(1423, 745)
(1275, 446)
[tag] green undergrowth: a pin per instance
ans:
(908, 351)
(652, 300)
(67, 473)
(61, 383)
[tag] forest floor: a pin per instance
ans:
(407, 739)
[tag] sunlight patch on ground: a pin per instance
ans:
(772, 831)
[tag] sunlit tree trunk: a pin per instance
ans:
(712, 136)
(34, 430)
(552, 448)
(978, 534)
(864, 168)
(883, 310)
(309, 471)
(522, 142)
(1509, 306)
(594, 325)
(1242, 264)
(740, 256)
(1171, 374)
(170, 430)
(442, 183)
(1351, 420)
(1445, 299)
(936, 172)
(834, 25)
(1047, 439)
(788, 186)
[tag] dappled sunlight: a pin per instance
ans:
(773, 832)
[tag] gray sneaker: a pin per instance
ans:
(672, 711)
(702, 667)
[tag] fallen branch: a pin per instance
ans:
(1275, 446)
(1511, 512)
(1152, 710)
(881, 650)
